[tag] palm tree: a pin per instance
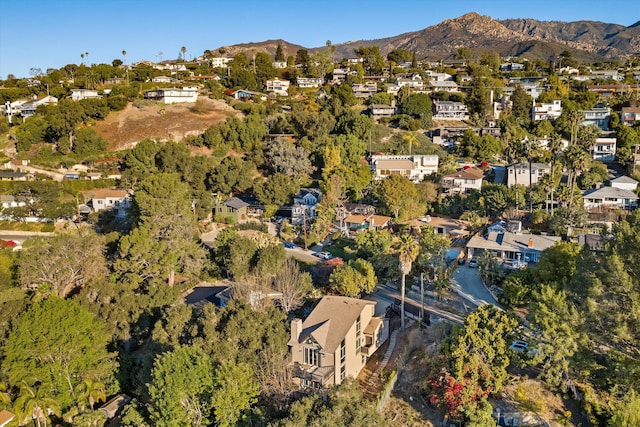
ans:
(32, 404)
(555, 145)
(408, 250)
(86, 55)
(124, 56)
(4, 396)
(575, 118)
(82, 56)
(183, 51)
(91, 392)
(514, 152)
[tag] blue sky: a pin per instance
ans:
(53, 33)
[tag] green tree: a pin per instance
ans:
(57, 344)
(373, 60)
(64, 263)
(292, 160)
(276, 190)
(181, 388)
(396, 194)
(235, 390)
(279, 54)
(399, 56)
(479, 350)
(558, 263)
(354, 278)
(559, 324)
(522, 103)
(232, 175)
(418, 106)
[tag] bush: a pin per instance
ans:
(117, 103)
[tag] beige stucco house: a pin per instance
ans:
(335, 341)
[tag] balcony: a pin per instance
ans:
(323, 375)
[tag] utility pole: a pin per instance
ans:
(421, 297)
(304, 225)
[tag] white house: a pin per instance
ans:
(605, 149)
(449, 110)
(100, 199)
(383, 110)
(78, 94)
(28, 108)
(463, 181)
(173, 95)
(307, 82)
(624, 182)
(219, 62)
(630, 115)
(444, 86)
(610, 197)
(546, 111)
(277, 86)
(519, 173)
(163, 79)
(414, 167)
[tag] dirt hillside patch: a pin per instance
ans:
(123, 129)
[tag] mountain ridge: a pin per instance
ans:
(587, 41)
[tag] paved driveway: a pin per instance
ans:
(466, 282)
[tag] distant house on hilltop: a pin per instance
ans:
(173, 96)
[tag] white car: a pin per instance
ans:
(325, 255)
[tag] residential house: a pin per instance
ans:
(447, 227)
(78, 94)
(414, 82)
(546, 111)
(444, 86)
(366, 222)
(279, 64)
(163, 79)
(9, 201)
(232, 207)
(115, 405)
(255, 297)
(439, 77)
(278, 86)
(604, 149)
(463, 180)
(100, 199)
(365, 90)
(307, 82)
(114, 81)
(246, 95)
(414, 167)
(544, 143)
(519, 173)
(219, 62)
(511, 66)
(611, 90)
(6, 417)
(16, 164)
(173, 95)
(340, 74)
(393, 89)
(15, 176)
(449, 110)
(610, 198)
(630, 115)
(335, 341)
(607, 75)
(28, 109)
(511, 247)
(598, 116)
(383, 110)
(12, 108)
(624, 182)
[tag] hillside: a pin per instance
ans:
(588, 41)
(122, 129)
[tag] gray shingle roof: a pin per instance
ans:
(234, 202)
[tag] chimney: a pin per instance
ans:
(598, 185)
(530, 243)
(296, 329)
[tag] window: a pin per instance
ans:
(311, 356)
(358, 327)
(343, 352)
(343, 373)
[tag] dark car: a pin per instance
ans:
(473, 263)
(290, 245)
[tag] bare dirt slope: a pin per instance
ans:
(123, 129)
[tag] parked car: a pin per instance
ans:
(473, 263)
(461, 261)
(520, 346)
(325, 255)
(290, 245)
